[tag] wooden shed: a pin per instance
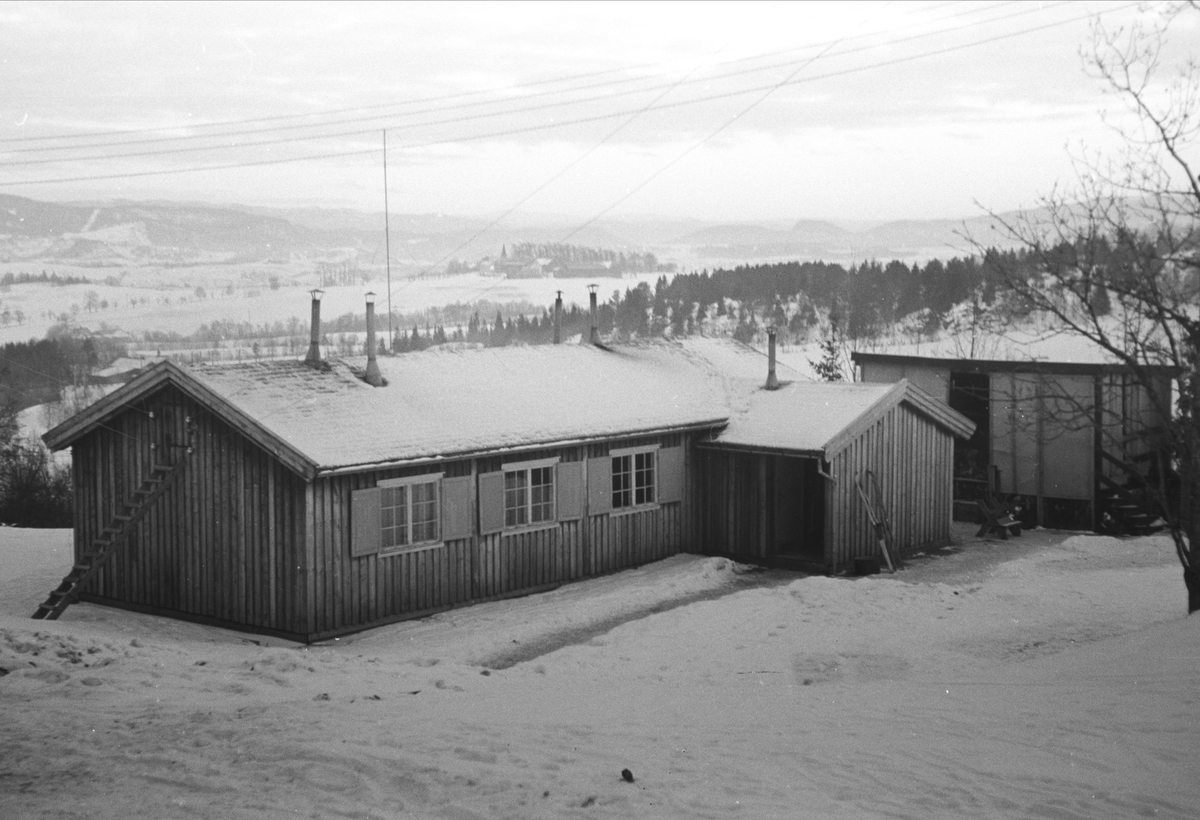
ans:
(781, 483)
(1071, 441)
(299, 501)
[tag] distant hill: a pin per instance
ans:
(167, 233)
(818, 239)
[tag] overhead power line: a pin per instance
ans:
(312, 131)
(567, 122)
(492, 100)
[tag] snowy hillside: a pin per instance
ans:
(1052, 675)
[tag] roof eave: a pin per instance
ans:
(1009, 365)
(79, 425)
(66, 433)
(855, 428)
(904, 392)
(326, 471)
(760, 449)
(939, 412)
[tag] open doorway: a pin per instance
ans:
(799, 530)
(970, 394)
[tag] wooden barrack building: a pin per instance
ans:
(296, 499)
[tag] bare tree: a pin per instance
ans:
(1118, 254)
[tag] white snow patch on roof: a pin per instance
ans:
(801, 416)
(741, 361)
(446, 402)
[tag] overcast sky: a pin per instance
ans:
(738, 111)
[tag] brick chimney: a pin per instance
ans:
(313, 359)
(772, 379)
(372, 377)
(595, 337)
(558, 318)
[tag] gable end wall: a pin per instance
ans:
(913, 459)
(222, 546)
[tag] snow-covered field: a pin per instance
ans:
(1050, 676)
(167, 303)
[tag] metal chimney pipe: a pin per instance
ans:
(558, 318)
(313, 359)
(372, 377)
(595, 338)
(772, 379)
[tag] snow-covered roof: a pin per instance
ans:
(455, 402)
(820, 418)
(801, 416)
(440, 403)
(730, 358)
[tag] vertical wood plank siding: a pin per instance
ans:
(912, 457)
(222, 544)
(732, 497)
(377, 588)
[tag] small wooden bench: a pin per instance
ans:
(998, 516)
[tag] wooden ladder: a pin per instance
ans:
(161, 477)
(872, 497)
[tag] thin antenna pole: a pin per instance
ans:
(387, 243)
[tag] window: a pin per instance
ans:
(408, 510)
(528, 494)
(633, 479)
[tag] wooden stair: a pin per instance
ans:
(161, 477)
(1130, 507)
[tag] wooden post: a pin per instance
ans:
(1097, 449)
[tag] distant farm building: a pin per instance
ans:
(294, 498)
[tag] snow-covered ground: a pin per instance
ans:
(167, 303)
(1050, 676)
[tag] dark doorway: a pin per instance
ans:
(970, 394)
(799, 530)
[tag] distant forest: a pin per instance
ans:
(852, 304)
(34, 372)
(803, 300)
(11, 278)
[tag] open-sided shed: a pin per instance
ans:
(1071, 440)
(781, 483)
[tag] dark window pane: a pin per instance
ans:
(516, 496)
(622, 482)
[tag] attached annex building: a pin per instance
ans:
(305, 503)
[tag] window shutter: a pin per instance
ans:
(670, 475)
(599, 485)
(491, 502)
(456, 508)
(570, 490)
(366, 531)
